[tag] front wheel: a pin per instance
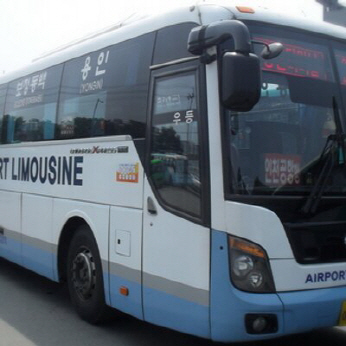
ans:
(84, 277)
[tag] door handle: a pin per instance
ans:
(151, 206)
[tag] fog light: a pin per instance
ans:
(261, 323)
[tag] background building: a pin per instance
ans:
(334, 11)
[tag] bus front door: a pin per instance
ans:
(176, 239)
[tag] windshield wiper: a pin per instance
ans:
(334, 149)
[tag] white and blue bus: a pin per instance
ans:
(251, 243)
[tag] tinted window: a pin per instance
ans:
(340, 56)
(280, 146)
(175, 159)
(171, 43)
(3, 89)
(31, 106)
(105, 92)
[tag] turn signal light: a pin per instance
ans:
(244, 9)
(247, 247)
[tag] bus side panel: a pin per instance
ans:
(96, 216)
(125, 260)
(38, 252)
(10, 216)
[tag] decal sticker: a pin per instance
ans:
(281, 169)
(122, 149)
(128, 173)
(91, 84)
(339, 275)
(55, 170)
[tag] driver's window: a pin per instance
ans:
(175, 158)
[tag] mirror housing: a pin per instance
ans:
(272, 50)
(240, 81)
(206, 36)
(240, 72)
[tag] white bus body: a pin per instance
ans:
(230, 254)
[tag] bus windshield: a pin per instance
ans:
(282, 145)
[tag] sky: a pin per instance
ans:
(29, 28)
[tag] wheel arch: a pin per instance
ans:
(65, 238)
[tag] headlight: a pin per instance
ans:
(250, 269)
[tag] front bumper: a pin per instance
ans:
(296, 312)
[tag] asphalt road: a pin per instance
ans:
(36, 311)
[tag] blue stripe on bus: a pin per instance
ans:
(38, 260)
(296, 311)
(11, 250)
(175, 313)
(131, 304)
(161, 308)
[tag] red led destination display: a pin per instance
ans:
(299, 59)
(341, 62)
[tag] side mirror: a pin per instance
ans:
(240, 76)
(240, 81)
(272, 50)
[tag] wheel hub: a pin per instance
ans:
(83, 274)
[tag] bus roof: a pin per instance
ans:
(202, 13)
(265, 15)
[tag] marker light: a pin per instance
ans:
(249, 266)
(124, 291)
(244, 9)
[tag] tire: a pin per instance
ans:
(85, 278)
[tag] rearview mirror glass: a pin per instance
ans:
(240, 81)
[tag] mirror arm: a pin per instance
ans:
(265, 45)
(270, 51)
(207, 58)
(206, 36)
(262, 44)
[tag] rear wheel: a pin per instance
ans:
(84, 277)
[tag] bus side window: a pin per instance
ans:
(31, 105)
(174, 160)
(171, 43)
(104, 93)
(3, 89)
